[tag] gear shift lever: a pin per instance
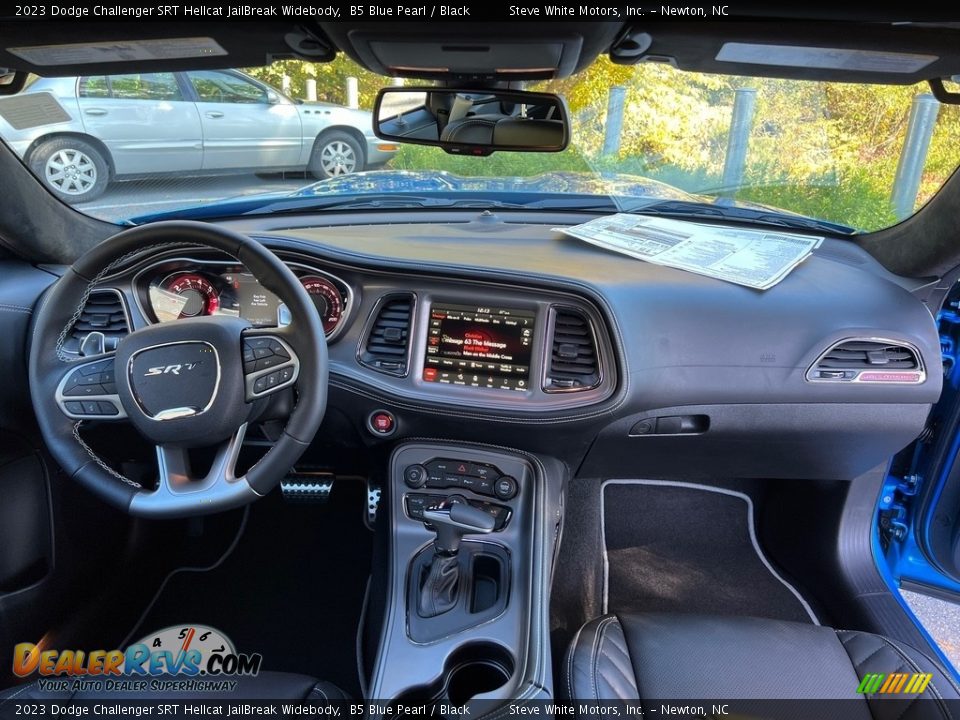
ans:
(451, 521)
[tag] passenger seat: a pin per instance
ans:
(689, 657)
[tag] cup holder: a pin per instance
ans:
(477, 676)
(471, 670)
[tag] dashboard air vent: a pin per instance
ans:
(868, 361)
(388, 339)
(103, 312)
(573, 355)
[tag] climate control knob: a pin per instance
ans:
(415, 476)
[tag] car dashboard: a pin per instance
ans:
(476, 326)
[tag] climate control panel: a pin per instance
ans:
(453, 474)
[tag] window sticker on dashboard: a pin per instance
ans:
(757, 259)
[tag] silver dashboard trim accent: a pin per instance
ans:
(919, 372)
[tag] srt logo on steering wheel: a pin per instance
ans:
(171, 369)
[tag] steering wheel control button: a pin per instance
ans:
(90, 391)
(415, 476)
(506, 488)
(382, 423)
(269, 364)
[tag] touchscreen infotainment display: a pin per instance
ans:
(483, 347)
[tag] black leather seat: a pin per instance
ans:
(689, 657)
(265, 686)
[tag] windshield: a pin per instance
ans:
(143, 145)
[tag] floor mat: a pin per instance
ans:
(291, 589)
(676, 547)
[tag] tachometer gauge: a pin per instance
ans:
(194, 293)
(327, 299)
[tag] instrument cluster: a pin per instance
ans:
(178, 289)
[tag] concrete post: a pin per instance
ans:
(353, 93)
(616, 102)
(906, 183)
(738, 140)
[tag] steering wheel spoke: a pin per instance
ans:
(269, 363)
(220, 489)
(88, 391)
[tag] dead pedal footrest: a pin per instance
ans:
(307, 486)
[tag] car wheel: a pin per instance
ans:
(336, 153)
(73, 169)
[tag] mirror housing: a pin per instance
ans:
(472, 122)
(12, 81)
(272, 98)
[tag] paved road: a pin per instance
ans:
(942, 621)
(137, 197)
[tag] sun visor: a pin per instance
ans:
(899, 54)
(52, 48)
(481, 52)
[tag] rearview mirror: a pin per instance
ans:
(12, 81)
(472, 122)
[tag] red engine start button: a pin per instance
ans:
(382, 422)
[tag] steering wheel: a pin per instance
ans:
(190, 383)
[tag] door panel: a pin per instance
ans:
(242, 128)
(144, 120)
(919, 508)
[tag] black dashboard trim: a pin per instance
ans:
(584, 298)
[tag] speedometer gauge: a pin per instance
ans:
(327, 299)
(197, 294)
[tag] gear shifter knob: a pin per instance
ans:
(452, 522)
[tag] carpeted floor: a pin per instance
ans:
(683, 549)
(292, 588)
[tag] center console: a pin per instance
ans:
(471, 542)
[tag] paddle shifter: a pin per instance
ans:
(451, 519)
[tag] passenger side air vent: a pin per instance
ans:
(103, 312)
(573, 355)
(387, 342)
(871, 361)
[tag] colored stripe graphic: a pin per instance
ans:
(894, 683)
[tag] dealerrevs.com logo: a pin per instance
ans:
(187, 658)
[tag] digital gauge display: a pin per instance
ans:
(236, 292)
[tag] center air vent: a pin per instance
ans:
(103, 312)
(868, 360)
(573, 354)
(386, 344)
